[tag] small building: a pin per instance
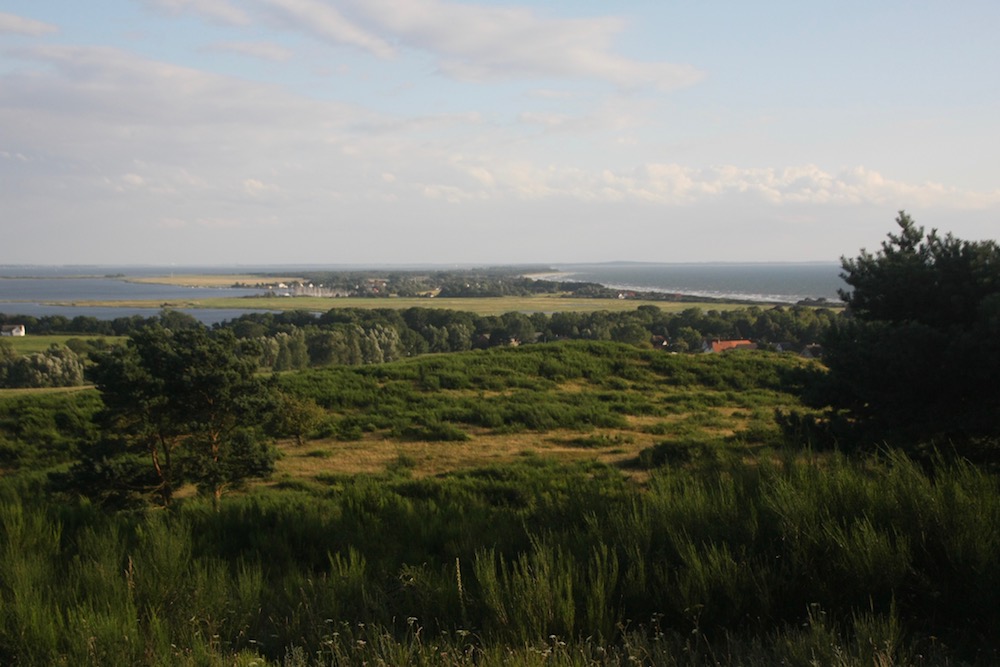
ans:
(724, 345)
(12, 330)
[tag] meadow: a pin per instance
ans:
(33, 344)
(572, 503)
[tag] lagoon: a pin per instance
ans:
(47, 290)
(42, 295)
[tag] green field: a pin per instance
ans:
(30, 344)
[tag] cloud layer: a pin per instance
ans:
(381, 127)
(18, 25)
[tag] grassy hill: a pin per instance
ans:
(573, 503)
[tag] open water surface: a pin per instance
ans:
(37, 290)
(774, 283)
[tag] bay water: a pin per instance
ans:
(38, 290)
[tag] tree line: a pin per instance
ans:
(360, 336)
(355, 336)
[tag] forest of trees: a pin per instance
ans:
(353, 336)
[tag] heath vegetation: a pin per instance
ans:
(400, 487)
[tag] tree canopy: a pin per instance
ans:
(190, 403)
(918, 357)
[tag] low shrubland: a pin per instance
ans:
(821, 559)
(578, 503)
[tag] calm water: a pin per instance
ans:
(30, 290)
(783, 283)
(103, 289)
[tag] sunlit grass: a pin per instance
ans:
(681, 534)
(429, 459)
(30, 343)
(43, 391)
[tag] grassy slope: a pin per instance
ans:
(513, 403)
(756, 556)
(568, 402)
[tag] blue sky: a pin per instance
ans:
(436, 131)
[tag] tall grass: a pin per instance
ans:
(827, 561)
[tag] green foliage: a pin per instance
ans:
(917, 361)
(45, 429)
(295, 416)
(188, 400)
(802, 561)
(710, 560)
(355, 336)
(58, 366)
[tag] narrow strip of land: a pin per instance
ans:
(480, 305)
(208, 280)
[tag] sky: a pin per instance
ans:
(276, 132)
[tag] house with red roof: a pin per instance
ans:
(724, 345)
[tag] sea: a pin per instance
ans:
(783, 283)
(45, 290)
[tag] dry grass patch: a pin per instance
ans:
(38, 391)
(371, 455)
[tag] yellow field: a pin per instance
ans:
(426, 459)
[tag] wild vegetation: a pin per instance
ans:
(57, 366)
(918, 357)
(571, 502)
(351, 336)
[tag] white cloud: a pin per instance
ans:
(178, 149)
(678, 185)
(220, 222)
(483, 42)
(325, 22)
(19, 25)
(448, 193)
(121, 92)
(547, 120)
(171, 223)
(216, 10)
(255, 187)
(133, 180)
(176, 224)
(262, 50)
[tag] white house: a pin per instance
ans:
(12, 330)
